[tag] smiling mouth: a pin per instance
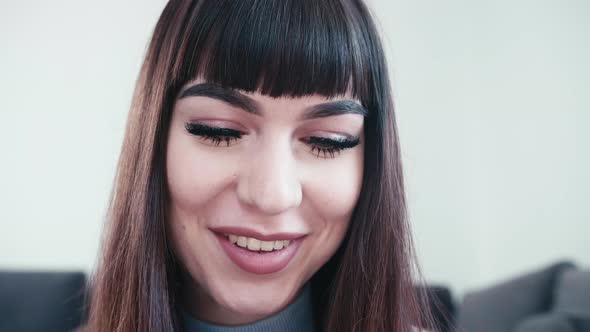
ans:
(256, 245)
(256, 256)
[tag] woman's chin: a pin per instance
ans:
(255, 306)
(249, 306)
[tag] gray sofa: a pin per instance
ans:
(552, 299)
(555, 298)
(41, 301)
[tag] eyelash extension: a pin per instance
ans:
(215, 134)
(328, 146)
(322, 147)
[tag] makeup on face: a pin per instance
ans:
(261, 191)
(257, 253)
(322, 147)
(327, 146)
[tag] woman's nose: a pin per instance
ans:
(268, 180)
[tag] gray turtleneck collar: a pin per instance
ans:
(296, 317)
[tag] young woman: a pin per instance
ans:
(259, 186)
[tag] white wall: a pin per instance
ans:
(67, 70)
(493, 101)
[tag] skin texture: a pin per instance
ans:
(269, 181)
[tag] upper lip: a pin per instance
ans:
(247, 232)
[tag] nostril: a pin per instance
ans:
(270, 198)
(269, 182)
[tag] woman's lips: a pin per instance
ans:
(242, 231)
(259, 262)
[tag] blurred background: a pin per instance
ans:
(493, 105)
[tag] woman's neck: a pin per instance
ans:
(297, 316)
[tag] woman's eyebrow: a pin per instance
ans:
(338, 107)
(243, 102)
(227, 95)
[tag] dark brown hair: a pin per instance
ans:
(278, 48)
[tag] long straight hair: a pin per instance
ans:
(280, 48)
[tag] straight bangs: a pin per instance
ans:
(280, 48)
(277, 47)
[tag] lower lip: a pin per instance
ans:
(262, 262)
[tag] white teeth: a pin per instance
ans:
(253, 244)
(267, 245)
(233, 238)
(242, 241)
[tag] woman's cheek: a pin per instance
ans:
(196, 172)
(334, 187)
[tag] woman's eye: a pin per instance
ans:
(324, 147)
(215, 134)
(321, 147)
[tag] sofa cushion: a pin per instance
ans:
(551, 322)
(41, 301)
(502, 307)
(581, 322)
(572, 293)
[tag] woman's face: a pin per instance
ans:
(260, 194)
